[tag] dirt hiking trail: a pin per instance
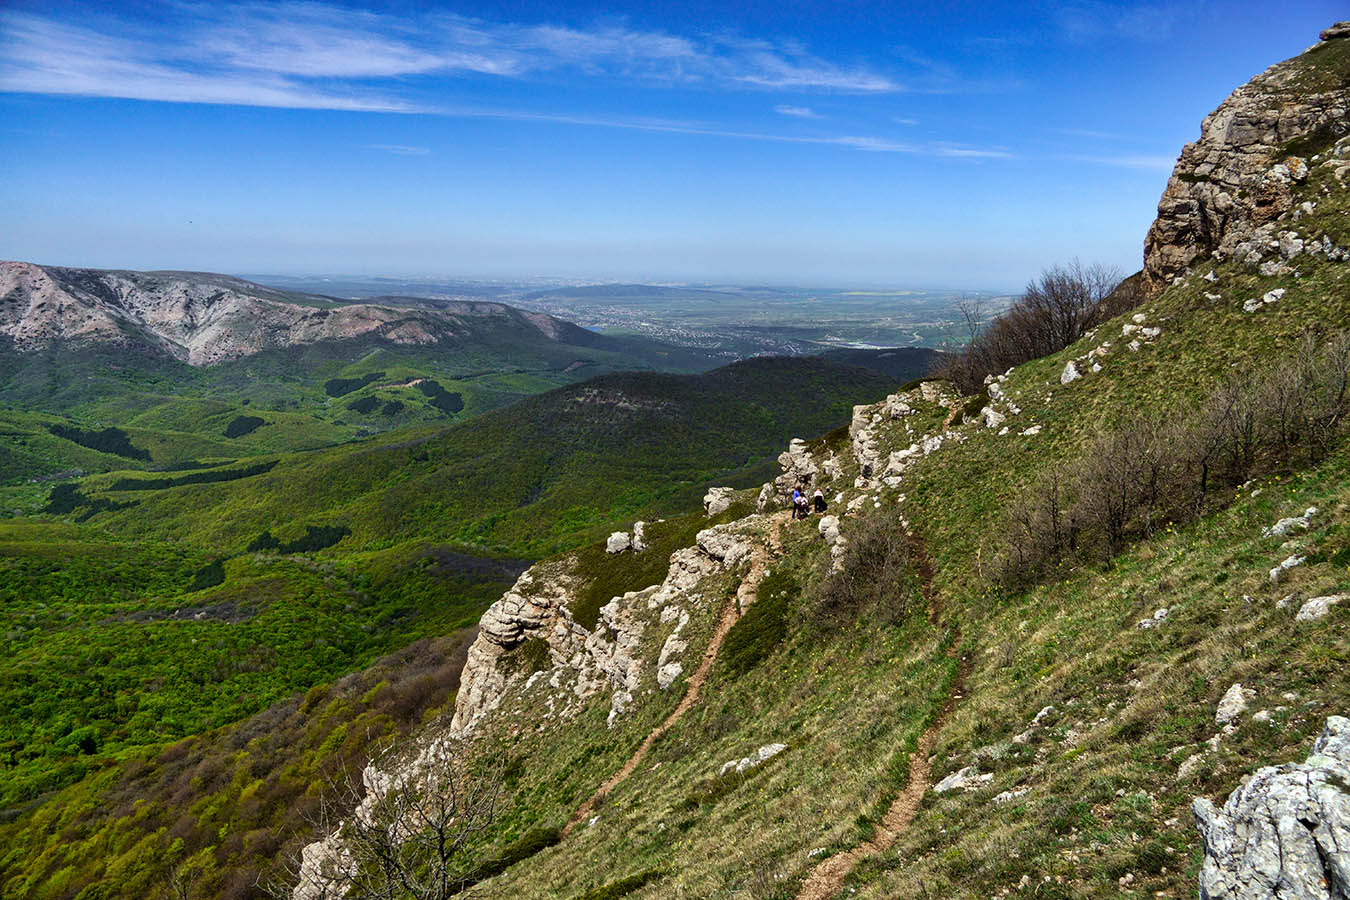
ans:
(827, 879)
(746, 594)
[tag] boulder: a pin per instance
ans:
(992, 417)
(1291, 523)
(1339, 30)
(666, 675)
(618, 542)
(639, 536)
(718, 500)
(964, 780)
(1286, 832)
(829, 529)
(1318, 607)
(1070, 373)
(1232, 705)
(1289, 562)
(760, 756)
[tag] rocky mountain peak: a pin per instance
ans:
(1232, 187)
(203, 318)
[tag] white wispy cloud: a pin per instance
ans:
(309, 56)
(300, 55)
(1093, 21)
(400, 149)
(1128, 161)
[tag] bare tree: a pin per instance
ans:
(1055, 310)
(403, 831)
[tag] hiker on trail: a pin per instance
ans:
(819, 500)
(798, 504)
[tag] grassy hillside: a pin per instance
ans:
(1096, 791)
(526, 479)
(307, 396)
(113, 645)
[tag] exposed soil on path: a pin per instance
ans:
(731, 613)
(827, 879)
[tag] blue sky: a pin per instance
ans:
(918, 144)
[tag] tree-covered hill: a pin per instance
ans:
(526, 479)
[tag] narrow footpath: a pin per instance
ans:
(826, 880)
(746, 594)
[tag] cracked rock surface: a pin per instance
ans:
(1285, 833)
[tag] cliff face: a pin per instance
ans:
(203, 319)
(1231, 188)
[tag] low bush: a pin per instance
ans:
(762, 628)
(340, 387)
(109, 440)
(624, 886)
(875, 577)
(1156, 470)
(209, 575)
(448, 402)
(243, 425)
(1055, 310)
(365, 405)
(208, 477)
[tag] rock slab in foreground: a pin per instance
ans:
(1285, 833)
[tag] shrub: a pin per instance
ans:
(528, 657)
(242, 425)
(339, 387)
(209, 575)
(874, 578)
(109, 440)
(447, 402)
(1055, 310)
(762, 628)
(1155, 470)
(365, 405)
(624, 886)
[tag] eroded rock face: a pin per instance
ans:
(203, 319)
(1286, 832)
(718, 500)
(1229, 186)
(588, 660)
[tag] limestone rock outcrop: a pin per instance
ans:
(718, 500)
(1230, 186)
(203, 318)
(1286, 832)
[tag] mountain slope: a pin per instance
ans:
(202, 318)
(530, 477)
(1067, 713)
(1094, 703)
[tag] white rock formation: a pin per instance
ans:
(1232, 704)
(760, 756)
(1286, 832)
(618, 542)
(718, 500)
(1292, 523)
(1317, 607)
(964, 780)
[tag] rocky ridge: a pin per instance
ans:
(202, 319)
(644, 641)
(1233, 192)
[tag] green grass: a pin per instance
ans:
(548, 473)
(111, 646)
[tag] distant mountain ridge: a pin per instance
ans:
(205, 318)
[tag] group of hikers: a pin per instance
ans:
(801, 505)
